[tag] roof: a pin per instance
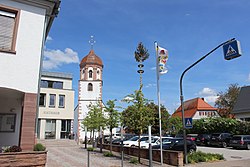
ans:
(193, 105)
(242, 104)
(91, 58)
(57, 75)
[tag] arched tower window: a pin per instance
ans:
(90, 87)
(90, 74)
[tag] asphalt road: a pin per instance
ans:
(228, 153)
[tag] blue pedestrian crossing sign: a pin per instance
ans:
(188, 122)
(232, 50)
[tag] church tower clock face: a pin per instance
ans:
(90, 86)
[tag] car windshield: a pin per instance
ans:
(134, 138)
(236, 138)
(144, 138)
(216, 135)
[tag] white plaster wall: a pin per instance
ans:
(20, 71)
(42, 129)
(58, 129)
(242, 115)
(11, 138)
(197, 116)
(84, 94)
(57, 113)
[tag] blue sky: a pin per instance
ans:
(188, 29)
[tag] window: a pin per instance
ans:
(65, 129)
(90, 74)
(9, 18)
(51, 84)
(52, 99)
(90, 87)
(61, 101)
(42, 101)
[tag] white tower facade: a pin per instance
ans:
(90, 88)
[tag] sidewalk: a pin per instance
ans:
(66, 153)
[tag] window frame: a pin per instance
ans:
(15, 28)
(61, 106)
(90, 87)
(50, 105)
(44, 100)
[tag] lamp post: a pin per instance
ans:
(182, 98)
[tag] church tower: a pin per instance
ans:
(90, 87)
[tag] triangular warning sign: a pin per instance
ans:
(230, 51)
(188, 123)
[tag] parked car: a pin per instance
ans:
(166, 145)
(220, 139)
(133, 142)
(203, 139)
(192, 137)
(156, 141)
(179, 146)
(240, 141)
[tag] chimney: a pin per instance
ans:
(203, 98)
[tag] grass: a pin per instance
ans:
(204, 157)
(108, 154)
(90, 149)
(134, 161)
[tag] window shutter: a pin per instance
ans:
(7, 23)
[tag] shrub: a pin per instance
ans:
(204, 157)
(11, 149)
(39, 147)
(133, 161)
(90, 149)
(108, 154)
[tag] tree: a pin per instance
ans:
(141, 54)
(137, 117)
(113, 118)
(164, 117)
(226, 100)
(174, 125)
(95, 118)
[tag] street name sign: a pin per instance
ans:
(232, 50)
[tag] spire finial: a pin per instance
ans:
(92, 41)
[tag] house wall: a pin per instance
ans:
(21, 69)
(11, 106)
(205, 114)
(243, 116)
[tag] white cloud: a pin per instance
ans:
(55, 58)
(153, 68)
(248, 77)
(208, 94)
(49, 38)
(150, 85)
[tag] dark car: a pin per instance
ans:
(166, 146)
(179, 146)
(240, 141)
(220, 139)
(192, 137)
(203, 139)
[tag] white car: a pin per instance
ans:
(133, 142)
(156, 141)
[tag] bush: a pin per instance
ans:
(11, 149)
(204, 157)
(90, 149)
(108, 154)
(133, 161)
(39, 147)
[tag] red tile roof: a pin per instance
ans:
(191, 106)
(91, 58)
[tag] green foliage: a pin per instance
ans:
(217, 124)
(227, 100)
(95, 117)
(141, 53)
(108, 154)
(164, 117)
(11, 149)
(90, 148)
(133, 160)
(136, 117)
(174, 125)
(39, 147)
(204, 157)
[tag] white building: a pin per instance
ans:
(24, 26)
(56, 106)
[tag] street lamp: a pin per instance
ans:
(227, 47)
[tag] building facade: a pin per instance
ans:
(242, 106)
(196, 109)
(90, 89)
(56, 106)
(24, 25)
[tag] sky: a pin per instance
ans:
(188, 29)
